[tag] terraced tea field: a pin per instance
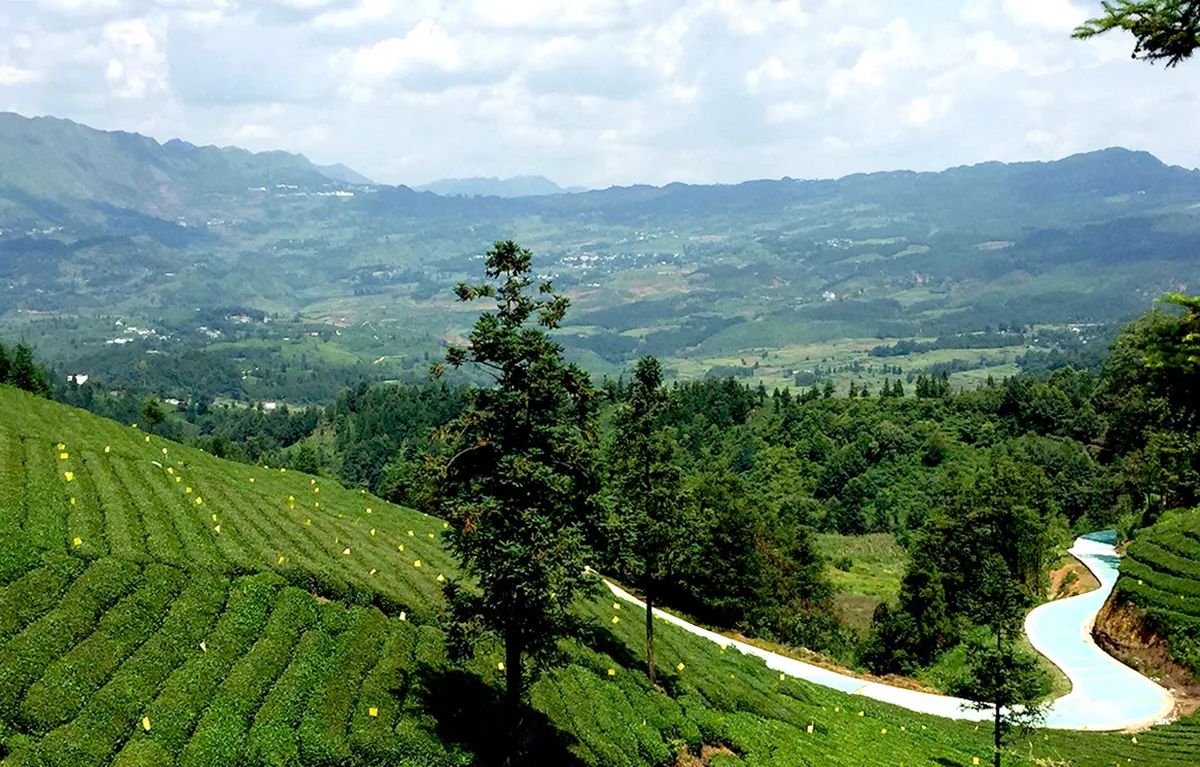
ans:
(1161, 573)
(162, 607)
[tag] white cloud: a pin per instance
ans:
(885, 52)
(1053, 15)
(10, 75)
(137, 66)
(426, 44)
(993, 53)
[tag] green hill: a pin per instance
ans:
(160, 606)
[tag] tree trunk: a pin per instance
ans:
(996, 727)
(514, 687)
(650, 634)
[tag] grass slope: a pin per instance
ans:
(1161, 574)
(133, 632)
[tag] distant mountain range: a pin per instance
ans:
(516, 186)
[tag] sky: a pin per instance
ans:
(602, 92)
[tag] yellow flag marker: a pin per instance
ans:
(346, 551)
(108, 448)
(312, 482)
(282, 559)
(217, 529)
(445, 525)
(781, 677)
(134, 425)
(308, 523)
(164, 451)
(616, 605)
(837, 709)
(77, 541)
(974, 760)
(147, 437)
(178, 480)
(399, 547)
(500, 665)
(372, 711)
(282, 470)
(317, 505)
(188, 490)
(373, 571)
(410, 533)
(252, 480)
(69, 475)
(612, 672)
(372, 531)
(72, 500)
(441, 578)
(199, 501)
(61, 446)
(810, 729)
(430, 536)
(368, 509)
(615, 620)
(417, 563)
(146, 723)
(316, 489)
(171, 470)
(862, 713)
(1135, 740)
(403, 615)
(680, 667)
(883, 731)
(63, 456)
(214, 516)
(203, 647)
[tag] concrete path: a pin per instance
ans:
(1107, 695)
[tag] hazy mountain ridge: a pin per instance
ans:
(492, 186)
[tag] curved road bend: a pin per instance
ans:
(1105, 695)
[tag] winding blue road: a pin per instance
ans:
(1105, 694)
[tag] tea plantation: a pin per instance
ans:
(159, 606)
(1161, 574)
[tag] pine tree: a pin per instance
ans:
(519, 479)
(5, 365)
(648, 489)
(25, 374)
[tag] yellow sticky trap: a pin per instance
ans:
(69, 476)
(61, 446)
(441, 578)
(781, 677)
(199, 501)
(108, 448)
(316, 489)
(1134, 740)
(217, 529)
(147, 437)
(612, 672)
(134, 425)
(373, 571)
(146, 723)
(883, 731)
(178, 480)
(500, 666)
(809, 729)
(187, 490)
(164, 451)
(974, 760)
(308, 523)
(372, 711)
(368, 509)
(203, 647)
(317, 505)
(616, 605)
(63, 456)
(680, 667)
(372, 531)
(312, 482)
(346, 551)
(72, 500)
(445, 525)
(430, 536)
(214, 516)
(171, 470)
(417, 563)
(403, 615)
(862, 713)
(616, 620)
(282, 470)
(399, 547)
(410, 533)
(77, 541)
(282, 558)
(252, 480)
